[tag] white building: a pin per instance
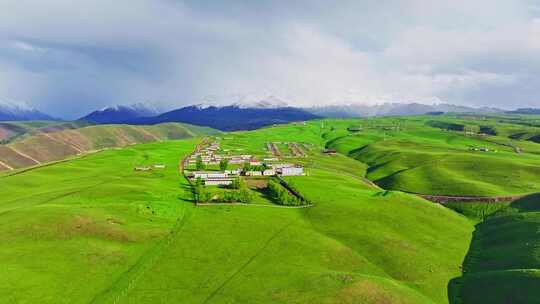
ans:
(209, 174)
(254, 173)
(279, 166)
(218, 181)
(292, 171)
(269, 172)
(233, 172)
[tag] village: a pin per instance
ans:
(232, 166)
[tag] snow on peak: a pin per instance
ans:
(140, 107)
(15, 107)
(269, 102)
(252, 100)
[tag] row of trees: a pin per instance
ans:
(239, 193)
(248, 167)
(282, 195)
(199, 164)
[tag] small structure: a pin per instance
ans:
(354, 129)
(236, 161)
(269, 172)
(142, 168)
(218, 181)
(279, 166)
(330, 151)
(254, 173)
(209, 174)
(159, 166)
(233, 172)
(291, 171)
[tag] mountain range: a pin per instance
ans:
(246, 114)
(394, 109)
(226, 118)
(120, 113)
(16, 112)
(530, 111)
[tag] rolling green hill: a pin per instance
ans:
(93, 230)
(12, 130)
(57, 143)
(420, 158)
(503, 263)
(104, 232)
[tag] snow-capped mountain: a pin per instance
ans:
(20, 111)
(270, 102)
(120, 113)
(245, 101)
(229, 118)
(394, 109)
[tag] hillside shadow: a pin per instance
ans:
(527, 204)
(189, 194)
(267, 195)
(454, 285)
(357, 150)
(479, 258)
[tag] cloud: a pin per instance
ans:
(72, 59)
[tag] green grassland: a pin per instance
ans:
(420, 158)
(93, 230)
(71, 230)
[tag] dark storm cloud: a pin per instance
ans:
(68, 59)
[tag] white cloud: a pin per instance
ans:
(71, 59)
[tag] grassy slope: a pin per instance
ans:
(53, 146)
(16, 130)
(427, 160)
(503, 265)
(70, 230)
(357, 244)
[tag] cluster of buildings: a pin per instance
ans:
(211, 156)
(224, 178)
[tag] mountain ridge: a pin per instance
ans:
(21, 112)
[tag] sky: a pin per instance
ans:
(68, 58)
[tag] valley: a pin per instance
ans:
(123, 225)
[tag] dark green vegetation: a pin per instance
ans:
(237, 192)
(93, 230)
(283, 196)
(503, 264)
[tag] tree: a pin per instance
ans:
(247, 167)
(245, 196)
(199, 189)
(235, 183)
(223, 164)
(199, 165)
